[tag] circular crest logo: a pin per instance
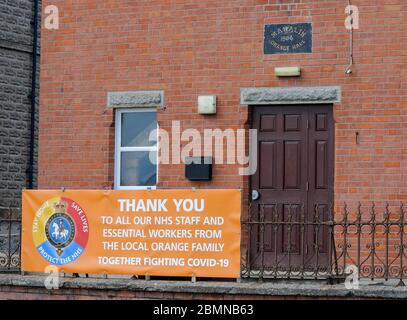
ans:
(60, 231)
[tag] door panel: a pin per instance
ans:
(292, 165)
(321, 164)
(321, 175)
(268, 160)
(295, 182)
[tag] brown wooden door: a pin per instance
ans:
(294, 176)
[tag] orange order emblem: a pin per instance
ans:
(60, 231)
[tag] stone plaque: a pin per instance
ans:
(288, 38)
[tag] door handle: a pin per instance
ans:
(255, 195)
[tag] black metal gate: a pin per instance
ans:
(10, 240)
(369, 241)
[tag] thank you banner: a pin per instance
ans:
(148, 232)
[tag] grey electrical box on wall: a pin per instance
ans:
(207, 104)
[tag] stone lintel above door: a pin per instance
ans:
(290, 95)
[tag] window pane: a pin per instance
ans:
(136, 128)
(137, 169)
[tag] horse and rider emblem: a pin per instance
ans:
(60, 231)
(60, 228)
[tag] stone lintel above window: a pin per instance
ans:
(135, 99)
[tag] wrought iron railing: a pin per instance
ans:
(290, 243)
(10, 240)
(370, 241)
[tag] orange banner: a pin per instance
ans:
(153, 232)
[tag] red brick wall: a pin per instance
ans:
(188, 48)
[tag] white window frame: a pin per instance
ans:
(119, 149)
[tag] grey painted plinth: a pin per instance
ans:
(290, 95)
(315, 289)
(135, 99)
